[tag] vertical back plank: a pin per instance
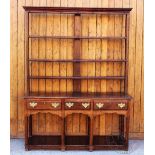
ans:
(108, 121)
(49, 66)
(98, 50)
(102, 124)
(42, 48)
(131, 74)
(96, 128)
(70, 32)
(91, 47)
(84, 49)
(104, 46)
(142, 91)
(56, 45)
(49, 54)
(42, 67)
(85, 3)
(20, 67)
(69, 124)
(78, 3)
(83, 123)
(142, 74)
(110, 54)
(76, 126)
(138, 63)
(13, 68)
(126, 3)
(63, 46)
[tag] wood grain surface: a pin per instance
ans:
(94, 25)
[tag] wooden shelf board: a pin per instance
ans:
(108, 140)
(76, 147)
(79, 77)
(78, 60)
(108, 95)
(76, 10)
(77, 140)
(43, 147)
(44, 140)
(76, 37)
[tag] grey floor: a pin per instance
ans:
(136, 147)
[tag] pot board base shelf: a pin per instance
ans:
(76, 142)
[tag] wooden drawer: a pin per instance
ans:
(112, 105)
(44, 105)
(77, 104)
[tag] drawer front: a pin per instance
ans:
(99, 105)
(42, 105)
(77, 104)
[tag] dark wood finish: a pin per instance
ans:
(77, 53)
(121, 125)
(27, 53)
(43, 147)
(77, 140)
(89, 104)
(126, 50)
(77, 104)
(45, 105)
(108, 140)
(26, 132)
(63, 130)
(30, 126)
(91, 122)
(45, 140)
(98, 105)
(77, 10)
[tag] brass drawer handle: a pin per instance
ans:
(33, 104)
(121, 105)
(55, 104)
(85, 105)
(99, 105)
(69, 104)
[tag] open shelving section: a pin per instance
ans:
(45, 65)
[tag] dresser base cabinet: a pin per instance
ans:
(91, 107)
